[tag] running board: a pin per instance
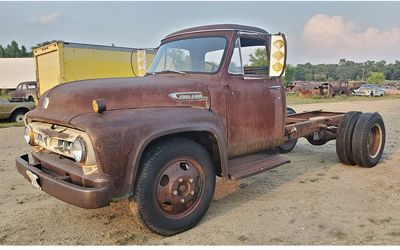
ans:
(246, 166)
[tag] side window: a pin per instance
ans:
(24, 87)
(252, 56)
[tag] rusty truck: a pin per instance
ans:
(202, 110)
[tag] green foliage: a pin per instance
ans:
(259, 58)
(347, 71)
(376, 77)
(13, 50)
(289, 74)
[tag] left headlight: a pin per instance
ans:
(78, 150)
(28, 135)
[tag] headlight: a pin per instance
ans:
(78, 150)
(28, 135)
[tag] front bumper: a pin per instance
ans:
(64, 180)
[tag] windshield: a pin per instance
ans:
(202, 55)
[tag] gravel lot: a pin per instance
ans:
(312, 200)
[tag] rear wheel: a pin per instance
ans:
(175, 187)
(368, 140)
(344, 138)
(288, 146)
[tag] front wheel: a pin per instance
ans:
(175, 187)
(18, 116)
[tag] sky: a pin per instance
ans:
(317, 32)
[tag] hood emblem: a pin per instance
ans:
(45, 103)
(183, 96)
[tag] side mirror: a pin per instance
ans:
(277, 56)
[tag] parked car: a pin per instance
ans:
(369, 90)
(26, 91)
(14, 111)
(390, 90)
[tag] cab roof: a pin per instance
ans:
(205, 28)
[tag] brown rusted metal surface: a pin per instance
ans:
(303, 124)
(254, 164)
(242, 115)
(63, 180)
(179, 186)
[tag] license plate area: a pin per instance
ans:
(35, 181)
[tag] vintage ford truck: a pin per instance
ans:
(204, 109)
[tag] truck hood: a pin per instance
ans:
(66, 101)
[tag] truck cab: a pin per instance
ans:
(211, 104)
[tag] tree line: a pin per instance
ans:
(13, 49)
(345, 70)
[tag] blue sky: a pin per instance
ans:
(317, 31)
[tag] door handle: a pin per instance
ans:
(275, 87)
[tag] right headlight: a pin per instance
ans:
(78, 150)
(28, 135)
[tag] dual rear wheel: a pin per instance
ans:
(360, 139)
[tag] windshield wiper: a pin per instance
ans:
(172, 71)
(150, 73)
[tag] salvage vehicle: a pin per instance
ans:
(62, 62)
(390, 90)
(25, 91)
(368, 90)
(14, 111)
(201, 111)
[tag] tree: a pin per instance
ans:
(13, 50)
(289, 74)
(259, 58)
(376, 77)
(2, 52)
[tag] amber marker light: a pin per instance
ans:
(99, 105)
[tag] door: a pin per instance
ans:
(255, 105)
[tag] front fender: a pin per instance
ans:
(119, 137)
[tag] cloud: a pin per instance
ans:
(45, 19)
(334, 36)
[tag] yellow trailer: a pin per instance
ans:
(62, 62)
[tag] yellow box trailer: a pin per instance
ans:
(62, 62)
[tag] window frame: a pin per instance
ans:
(253, 36)
(203, 36)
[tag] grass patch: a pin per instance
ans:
(296, 99)
(11, 124)
(4, 94)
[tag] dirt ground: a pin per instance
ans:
(312, 200)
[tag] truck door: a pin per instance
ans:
(255, 103)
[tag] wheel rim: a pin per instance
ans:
(19, 118)
(179, 187)
(374, 141)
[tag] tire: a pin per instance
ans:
(344, 137)
(288, 146)
(30, 99)
(368, 140)
(175, 187)
(18, 116)
(323, 139)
